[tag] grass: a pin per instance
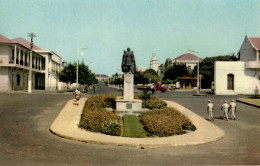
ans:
(133, 127)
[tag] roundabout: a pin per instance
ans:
(66, 126)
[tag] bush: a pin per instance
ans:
(165, 122)
(111, 127)
(101, 101)
(151, 102)
(97, 119)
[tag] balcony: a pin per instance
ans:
(253, 64)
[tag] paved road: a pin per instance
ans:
(26, 140)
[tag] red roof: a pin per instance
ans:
(187, 57)
(4, 39)
(25, 43)
(255, 41)
(101, 75)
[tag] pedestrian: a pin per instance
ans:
(256, 92)
(94, 88)
(86, 88)
(225, 106)
(77, 96)
(233, 109)
(210, 110)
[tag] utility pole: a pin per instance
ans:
(31, 35)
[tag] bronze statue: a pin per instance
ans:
(128, 62)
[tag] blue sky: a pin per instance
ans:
(166, 28)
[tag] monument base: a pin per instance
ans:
(126, 106)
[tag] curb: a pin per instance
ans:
(240, 101)
(66, 126)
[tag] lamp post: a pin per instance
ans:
(31, 35)
(82, 48)
(198, 68)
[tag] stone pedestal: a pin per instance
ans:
(128, 86)
(129, 105)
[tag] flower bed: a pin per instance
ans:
(165, 122)
(97, 119)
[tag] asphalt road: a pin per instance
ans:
(25, 138)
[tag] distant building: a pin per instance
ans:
(240, 77)
(154, 63)
(168, 63)
(189, 59)
(101, 77)
(15, 65)
(140, 68)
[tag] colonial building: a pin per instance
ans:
(154, 63)
(189, 59)
(101, 77)
(140, 68)
(15, 65)
(240, 77)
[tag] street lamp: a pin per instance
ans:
(31, 35)
(82, 48)
(198, 68)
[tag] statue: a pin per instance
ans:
(128, 62)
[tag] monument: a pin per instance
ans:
(128, 105)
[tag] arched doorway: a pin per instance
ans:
(230, 82)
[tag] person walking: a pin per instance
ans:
(225, 106)
(233, 109)
(94, 88)
(77, 96)
(210, 110)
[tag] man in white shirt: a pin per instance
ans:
(233, 109)
(210, 110)
(225, 106)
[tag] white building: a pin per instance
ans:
(102, 77)
(154, 63)
(240, 77)
(140, 68)
(54, 65)
(14, 65)
(189, 59)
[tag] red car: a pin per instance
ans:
(161, 88)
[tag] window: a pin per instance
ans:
(25, 59)
(18, 79)
(189, 67)
(230, 82)
(21, 58)
(17, 54)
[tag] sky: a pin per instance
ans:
(165, 28)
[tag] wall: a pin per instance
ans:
(4, 80)
(245, 80)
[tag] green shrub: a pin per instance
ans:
(101, 101)
(111, 127)
(97, 119)
(165, 122)
(154, 102)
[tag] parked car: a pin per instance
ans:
(152, 87)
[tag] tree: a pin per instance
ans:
(207, 68)
(68, 74)
(174, 71)
(146, 76)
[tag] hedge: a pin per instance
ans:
(165, 122)
(97, 119)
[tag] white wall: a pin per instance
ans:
(245, 80)
(4, 80)
(4, 54)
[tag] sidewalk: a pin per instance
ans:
(66, 126)
(250, 101)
